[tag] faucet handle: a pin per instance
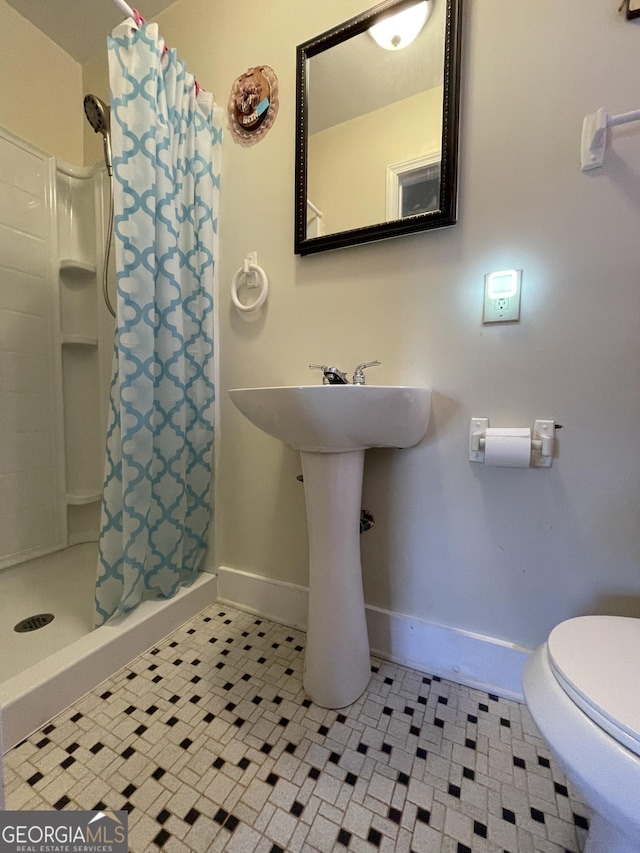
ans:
(358, 375)
(321, 367)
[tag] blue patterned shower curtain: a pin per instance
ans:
(158, 473)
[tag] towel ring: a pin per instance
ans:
(264, 287)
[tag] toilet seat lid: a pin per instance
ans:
(596, 660)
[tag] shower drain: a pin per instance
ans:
(32, 623)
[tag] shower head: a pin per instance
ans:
(97, 112)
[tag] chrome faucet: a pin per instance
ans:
(333, 376)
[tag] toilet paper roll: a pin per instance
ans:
(508, 447)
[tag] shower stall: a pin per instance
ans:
(56, 348)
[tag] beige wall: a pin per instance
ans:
(41, 91)
(508, 553)
(347, 162)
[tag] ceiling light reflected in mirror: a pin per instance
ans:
(398, 31)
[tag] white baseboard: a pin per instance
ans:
(282, 602)
(486, 663)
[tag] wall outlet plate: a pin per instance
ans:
(502, 307)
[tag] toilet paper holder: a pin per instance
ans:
(542, 441)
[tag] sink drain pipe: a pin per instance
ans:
(367, 521)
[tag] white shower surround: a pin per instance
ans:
(56, 352)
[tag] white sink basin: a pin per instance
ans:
(335, 418)
(332, 426)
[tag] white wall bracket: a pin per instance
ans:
(542, 442)
(594, 136)
(251, 277)
(477, 434)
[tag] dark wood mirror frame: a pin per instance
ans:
(446, 213)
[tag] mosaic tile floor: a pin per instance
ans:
(210, 744)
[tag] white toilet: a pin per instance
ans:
(582, 688)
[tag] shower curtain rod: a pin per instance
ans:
(126, 10)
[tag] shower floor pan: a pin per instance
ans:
(35, 688)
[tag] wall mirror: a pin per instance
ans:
(377, 128)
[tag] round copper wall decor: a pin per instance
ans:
(253, 104)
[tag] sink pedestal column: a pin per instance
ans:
(337, 665)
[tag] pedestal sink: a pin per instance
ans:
(332, 426)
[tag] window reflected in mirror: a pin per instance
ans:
(413, 187)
